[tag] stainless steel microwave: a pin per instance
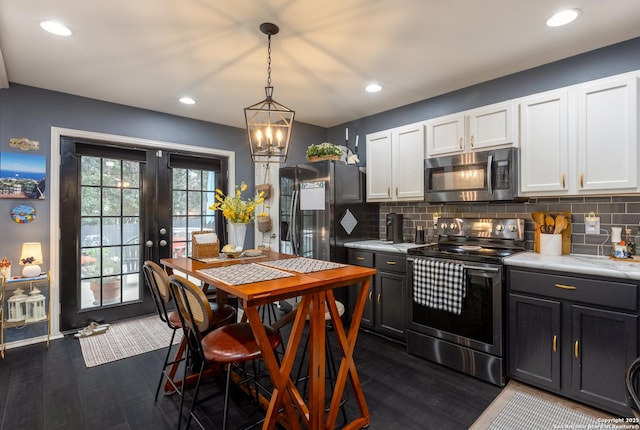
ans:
(481, 176)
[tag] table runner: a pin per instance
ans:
(302, 264)
(239, 274)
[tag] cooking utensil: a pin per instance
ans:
(550, 223)
(560, 224)
(538, 217)
(545, 229)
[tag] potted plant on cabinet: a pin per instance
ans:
(324, 151)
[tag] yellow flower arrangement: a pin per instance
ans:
(233, 208)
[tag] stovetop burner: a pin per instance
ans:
(475, 239)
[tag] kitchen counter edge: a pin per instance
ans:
(382, 246)
(577, 264)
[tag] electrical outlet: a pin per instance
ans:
(592, 225)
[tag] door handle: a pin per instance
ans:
(360, 258)
(566, 287)
(563, 182)
(388, 191)
(575, 349)
(555, 343)
(581, 180)
(471, 141)
(370, 296)
(148, 243)
(378, 298)
(163, 243)
(460, 143)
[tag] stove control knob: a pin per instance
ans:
(499, 227)
(513, 228)
(443, 226)
(452, 226)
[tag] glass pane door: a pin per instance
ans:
(110, 212)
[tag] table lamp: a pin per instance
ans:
(30, 258)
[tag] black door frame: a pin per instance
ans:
(56, 193)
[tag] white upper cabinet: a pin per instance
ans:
(491, 126)
(607, 135)
(395, 164)
(379, 180)
(544, 143)
(445, 135)
(477, 129)
(581, 139)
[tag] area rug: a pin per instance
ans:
(126, 339)
(524, 408)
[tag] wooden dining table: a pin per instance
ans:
(315, 289)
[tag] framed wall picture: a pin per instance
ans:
(22, 176)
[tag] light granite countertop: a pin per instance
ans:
(382, 246)
(577, 264)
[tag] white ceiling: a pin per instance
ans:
(148, 53)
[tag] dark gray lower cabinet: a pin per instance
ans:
(572, 335)
(385, 311)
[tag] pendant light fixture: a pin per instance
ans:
(268, 122)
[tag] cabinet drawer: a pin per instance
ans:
(391, 263)
(615, 294)
(361, 258)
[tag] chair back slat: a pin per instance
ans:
(191, 303)
(157, 281)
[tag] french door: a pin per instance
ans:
(120, 206)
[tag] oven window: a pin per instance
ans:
(458, 178)
(476, 319)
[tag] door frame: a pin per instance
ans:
(54, 196)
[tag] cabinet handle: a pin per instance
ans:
(563, 184)
(471, 141)
(396, 191)
(388, 191)
(581, 180)
(460, 143)
(555, 343)
(360, 258)
(391, 263)
(575, 349)
(378, 298)
(566, 287)
(370, 296)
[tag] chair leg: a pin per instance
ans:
(226, 398)
(164, 365)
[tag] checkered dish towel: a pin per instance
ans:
(439, 284)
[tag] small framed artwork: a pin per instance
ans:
(22, 176)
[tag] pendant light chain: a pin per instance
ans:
(269, 62)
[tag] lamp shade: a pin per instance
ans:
(31, 253)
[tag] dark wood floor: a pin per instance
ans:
(53, 390)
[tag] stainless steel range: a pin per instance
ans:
(456, 295)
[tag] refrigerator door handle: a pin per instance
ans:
(293, 228)
(290, 222)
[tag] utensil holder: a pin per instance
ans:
(550, 244)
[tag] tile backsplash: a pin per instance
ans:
(619, 210)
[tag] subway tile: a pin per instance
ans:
(584, 207)
(611, 207)
(560, 207)
(628, 219)
(633, 208)
(598, 199)
(628, 198)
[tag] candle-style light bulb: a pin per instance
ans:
(279, 138)
(259, 137)
(269, 136)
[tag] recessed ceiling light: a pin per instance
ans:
(55, 28)
(187, 100)
(373, 88)
(563, 17)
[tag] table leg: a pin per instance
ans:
(284, 391)
(347, 364)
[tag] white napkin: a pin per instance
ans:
(205, 238)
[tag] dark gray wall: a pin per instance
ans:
(31, 112)
(611, 60)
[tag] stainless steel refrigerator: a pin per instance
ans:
(322, 206)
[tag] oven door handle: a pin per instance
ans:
(484, 269)
(465, 267)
